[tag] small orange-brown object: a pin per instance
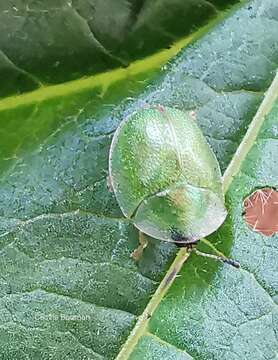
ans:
(261, 211)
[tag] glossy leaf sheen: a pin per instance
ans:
(65, 247)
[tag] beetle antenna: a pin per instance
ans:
(217, 258)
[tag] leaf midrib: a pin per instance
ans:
(234, 167)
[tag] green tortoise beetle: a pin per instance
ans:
(166, 178)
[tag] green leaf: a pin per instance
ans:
(214, 311)
(69, 288)
(59, 40)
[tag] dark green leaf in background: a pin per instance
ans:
(53, 41)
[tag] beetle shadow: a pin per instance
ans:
(157, 258)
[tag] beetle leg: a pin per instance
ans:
(190, 244)
(138, 252)
(109, 184)
(223, 259)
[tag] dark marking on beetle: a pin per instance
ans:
(182, 241)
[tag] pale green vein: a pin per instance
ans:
(69, 298)
(142, 323)
(104, 80)
(234, 167)
(251, 134)
(157, 339)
